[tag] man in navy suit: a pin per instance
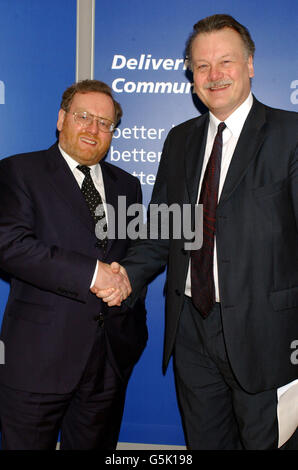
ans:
(235, 364)
(68, 356)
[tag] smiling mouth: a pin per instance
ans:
(88, 141)
(220, 87)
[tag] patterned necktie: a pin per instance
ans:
(93, 199)
(202, 280)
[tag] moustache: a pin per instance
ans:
(218, 83)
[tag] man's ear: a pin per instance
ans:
(61, 117)
(250, 63)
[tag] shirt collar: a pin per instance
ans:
(236, 120)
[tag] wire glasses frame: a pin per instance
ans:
(86, 119)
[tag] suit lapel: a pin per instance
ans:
(194, 156)
(64, 183)
(249, 143)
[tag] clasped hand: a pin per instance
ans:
(112, 284)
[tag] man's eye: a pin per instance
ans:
(201, 67)
(81, 117)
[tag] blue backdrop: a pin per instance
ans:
(138, 51)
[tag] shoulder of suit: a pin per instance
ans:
(282, 115)
(282, 123)
(279, 116)
(24, 159)
(190, 124)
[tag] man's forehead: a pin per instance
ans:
(229, 42)
(92, 97)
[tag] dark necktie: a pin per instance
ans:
(93, 199)
(202, 280)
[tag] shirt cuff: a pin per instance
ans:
(94, 275)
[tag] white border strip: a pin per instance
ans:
(92, 38)
(132, 446)
(85, 34)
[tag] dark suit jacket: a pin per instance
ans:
(257, 242)
(48, 245)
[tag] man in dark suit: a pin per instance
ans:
(232, 305)
(68, 356)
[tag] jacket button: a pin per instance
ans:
(177, 292)
(100, 319)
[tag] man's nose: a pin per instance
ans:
(93, 127)
(215, 73)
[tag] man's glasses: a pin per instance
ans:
(86, 119)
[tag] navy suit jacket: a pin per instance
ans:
(257, 242)
(48, 246)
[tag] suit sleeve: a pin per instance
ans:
(28, 258)
(147, 256)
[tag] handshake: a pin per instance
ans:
(111, 284)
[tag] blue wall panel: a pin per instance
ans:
(37, 57)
